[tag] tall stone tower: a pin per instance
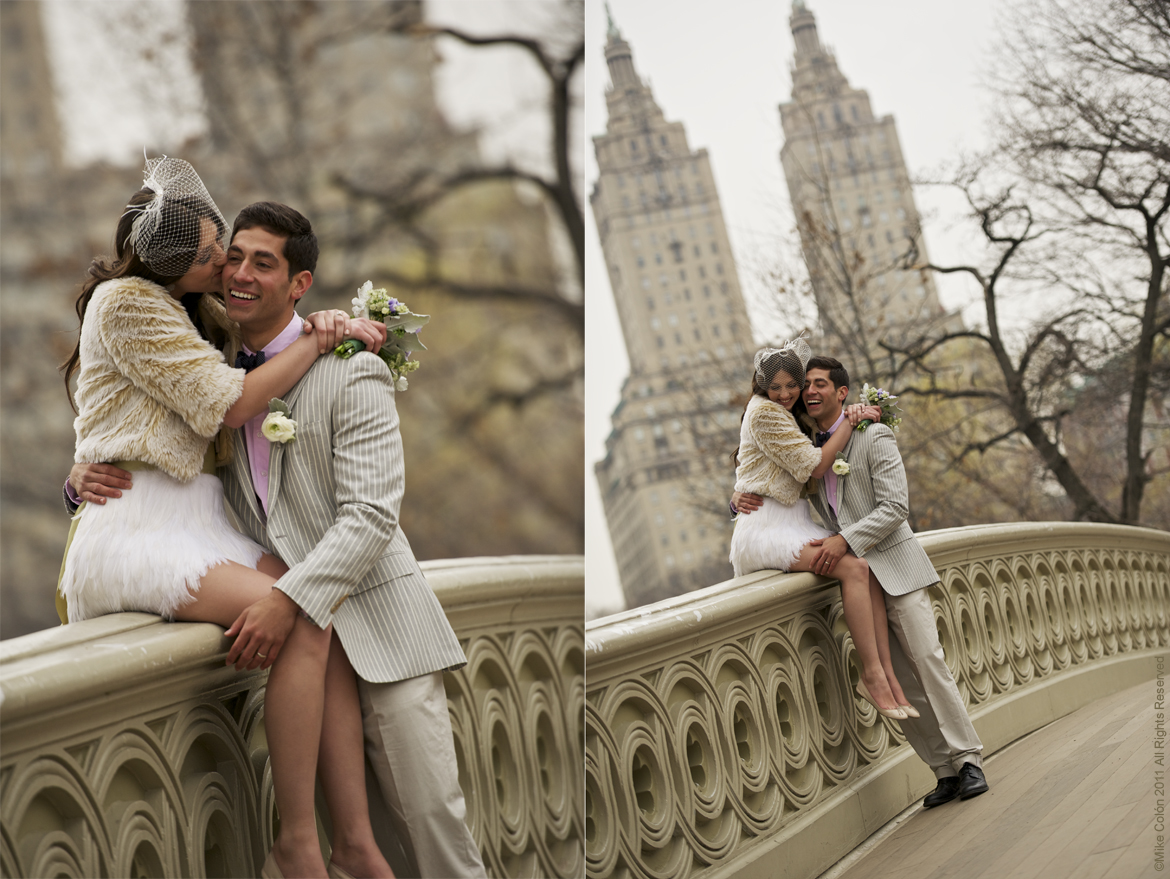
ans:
(666, 475)
(33, 142)
(854, 208)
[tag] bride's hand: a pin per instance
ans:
(335, 326)
(331, 328)
(859, 412)
(371, 332)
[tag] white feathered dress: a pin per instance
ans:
(775, 460)
(151, 390)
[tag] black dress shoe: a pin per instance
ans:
(971, 781)
(947, 790)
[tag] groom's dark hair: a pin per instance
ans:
(838, 374)
(300, 243)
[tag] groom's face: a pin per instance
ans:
(258, 292)
(821, 398)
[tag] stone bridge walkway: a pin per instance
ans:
(1074, 800)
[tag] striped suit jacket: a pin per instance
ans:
(333, 500)
(872, 505)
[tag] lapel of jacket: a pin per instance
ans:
(276, 456)
(842, 482)
(845, 485)
(243, 474)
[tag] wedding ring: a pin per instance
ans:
(261, 655)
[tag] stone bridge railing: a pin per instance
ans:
(130, 750)
(722, 738)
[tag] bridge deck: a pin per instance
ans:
(1074, 799)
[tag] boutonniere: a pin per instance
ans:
(277, 426)
(840, 465)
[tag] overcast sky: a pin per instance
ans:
(723, 69)
(109, 111)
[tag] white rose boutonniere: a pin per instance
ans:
(277, 426)
(840, 465)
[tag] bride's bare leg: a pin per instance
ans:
(882, 630)
(853, 574)
(341, 769)
(293, 705)
(293, 709)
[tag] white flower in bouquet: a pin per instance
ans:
(884, 400)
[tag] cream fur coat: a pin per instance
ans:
(775, 458)
(150, 387)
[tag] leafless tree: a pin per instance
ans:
(1041, 371)
(1086, 111)
(1073, 210)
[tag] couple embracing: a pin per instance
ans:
(322, 586)
(852, 472)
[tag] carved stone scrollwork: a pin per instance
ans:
(130, 750)
(715, 721)
(516, 713)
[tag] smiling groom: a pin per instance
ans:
(867, 506)
(327, 505)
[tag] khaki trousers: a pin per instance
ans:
(409, 745)
(943, 736)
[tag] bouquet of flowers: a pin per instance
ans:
(882, 399)
(402, 338)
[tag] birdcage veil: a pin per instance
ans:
(167, 232)
(791, 357)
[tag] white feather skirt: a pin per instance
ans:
(770, 539)
(148, 549)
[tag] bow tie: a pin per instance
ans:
(248, 362)
(821, 438)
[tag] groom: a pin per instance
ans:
(327, 505)
(868, 507)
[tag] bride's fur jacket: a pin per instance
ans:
(776, 460)
(150, 387)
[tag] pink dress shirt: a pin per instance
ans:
(830, 478)
(260, 449)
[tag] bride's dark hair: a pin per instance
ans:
(127, 264)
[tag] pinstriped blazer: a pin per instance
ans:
(333, 500)
(872, 505)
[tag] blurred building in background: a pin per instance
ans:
(666, 474)
(860, 231)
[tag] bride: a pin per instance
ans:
(777, 459)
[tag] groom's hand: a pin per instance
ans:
(96, 482)
(830, 550)
(260, 631)
(744, 502)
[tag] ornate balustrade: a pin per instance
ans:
(722, 735)
(130, 750)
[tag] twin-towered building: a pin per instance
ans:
(666, 475)
(687, 335)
